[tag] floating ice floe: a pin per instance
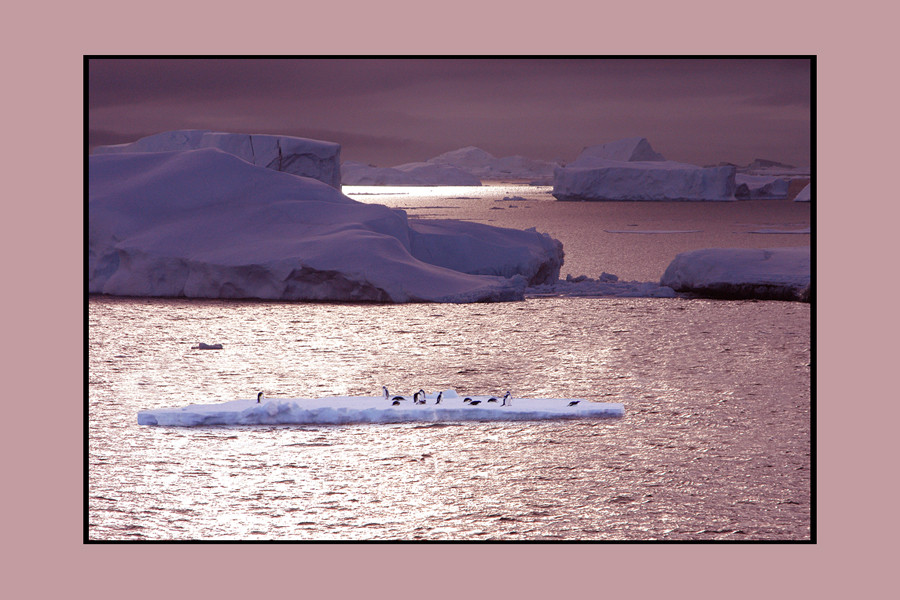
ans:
(202, 346)
(298, 156)
(734, 273)
(629, 170)
(801, 231)
(341, 410)
(207, 224)
(606, 285)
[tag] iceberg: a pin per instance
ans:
(418, 174)
(206, 224)
(742, 273)
(805, 195)
(342, 410)
(299, 156)
(648, 181)
(486, 166)
(629, 170)
(760, 187)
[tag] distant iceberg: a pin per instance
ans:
(465, 166)
(805, 195)
(417, 174)
(629, 170)
(342, 410)
(760, 187)
(735, 273)
(206, 224)
(299, 156)
(486, 166)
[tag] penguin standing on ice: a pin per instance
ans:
(507, 401)
(259, 397)
(386, 394)
(439, 397)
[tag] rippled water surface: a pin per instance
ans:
(714, 444)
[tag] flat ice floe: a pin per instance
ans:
(342, 410)
(735, 273)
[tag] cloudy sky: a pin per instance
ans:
(390, 111)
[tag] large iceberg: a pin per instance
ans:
(419, 174)
(734, 273)
(206, 224)
(299, 156)
(630, 170)
(341, 410)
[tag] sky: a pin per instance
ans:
(389, 111)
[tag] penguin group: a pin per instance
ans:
(420, 398)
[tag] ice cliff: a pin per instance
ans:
(299, 156)
(206, 224)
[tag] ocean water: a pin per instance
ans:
(715, 443)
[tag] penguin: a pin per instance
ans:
(259, 397)
(397, 399)
(474, 402)
(396, 402)
(386, 394)
(421, 393)
(439, 397)
(507, 401)
(573, 402)
(467, 400)
(492, 399)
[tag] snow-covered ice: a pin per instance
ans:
(779, 273)
(207, 224)
(595, 176)
(299, 156)
(418, 174)
(340, 410)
